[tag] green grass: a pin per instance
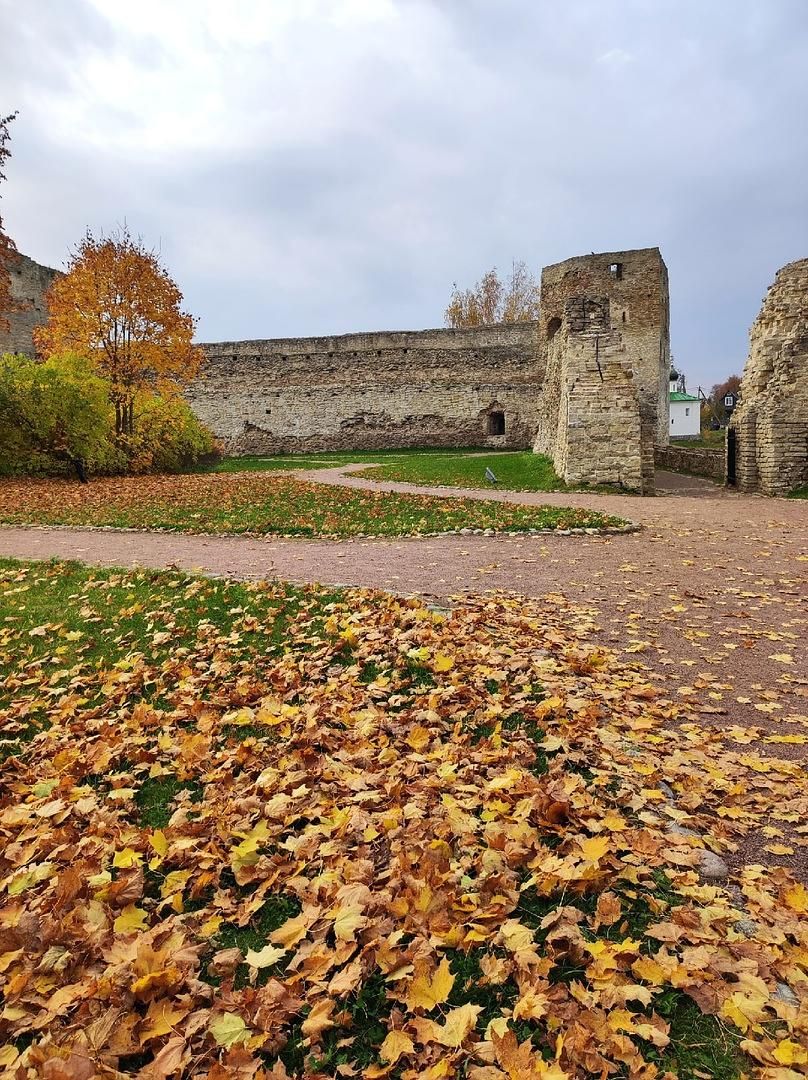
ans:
(155, 798)
(73, 619)
(799, 493)
(518, 471)
(707, 440)
(70, 613)
(515, 470)
(701, 1046)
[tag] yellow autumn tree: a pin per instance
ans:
(117, 306)
(491, 300)
(8, 252)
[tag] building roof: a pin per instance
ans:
(676, 396)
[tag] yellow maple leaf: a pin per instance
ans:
(796, 897)
(210, 926)
(20, 882)
(395, 1044)
(429, 989)
(647, 969)
(594, 847)
(159, 842)
(290, 932)
(418, 738)
(174, 882)
(442, 662)
(319, 1018)
(130, 920)
(459, 1022)
(163, 979)
(162, 1017)
(127, 858)
(532, 1005)
(790, 1053)
(418, 654)
(245, 853)
(347, 921)
(744, 1010)
(270, 954)
(229, 1029)
(8, 1055)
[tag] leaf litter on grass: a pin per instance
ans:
(442, 850)
(263, 503)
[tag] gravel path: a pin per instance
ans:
(710, 594)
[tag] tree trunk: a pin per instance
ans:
(76, 462)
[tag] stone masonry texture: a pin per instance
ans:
(604, 345)
(440, 388)
(29, 283)
(690, 459)
(770, 423)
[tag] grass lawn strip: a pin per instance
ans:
(258, 503)
(249, 827)
(515, 470)
(518, 471)
(707, 440)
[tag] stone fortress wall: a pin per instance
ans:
(430, 388)
(29, 283)
(767, 444)
(587, 385)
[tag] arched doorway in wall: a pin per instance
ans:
(553, 326)
(496, 422)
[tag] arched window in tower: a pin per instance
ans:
(553, 326)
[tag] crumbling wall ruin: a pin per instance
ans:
(604, 344)
(441, 388)
(767, 443)
(30, 282)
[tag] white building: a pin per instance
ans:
(685, 415)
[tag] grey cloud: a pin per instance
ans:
(515, 129)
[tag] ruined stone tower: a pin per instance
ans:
(605, 348)
(29, 283)
(767, 443)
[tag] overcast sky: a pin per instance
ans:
(322, 166)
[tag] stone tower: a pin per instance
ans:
(767, 443)
(604, 345)
(29, 283)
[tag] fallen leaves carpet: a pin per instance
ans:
(250, 831)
